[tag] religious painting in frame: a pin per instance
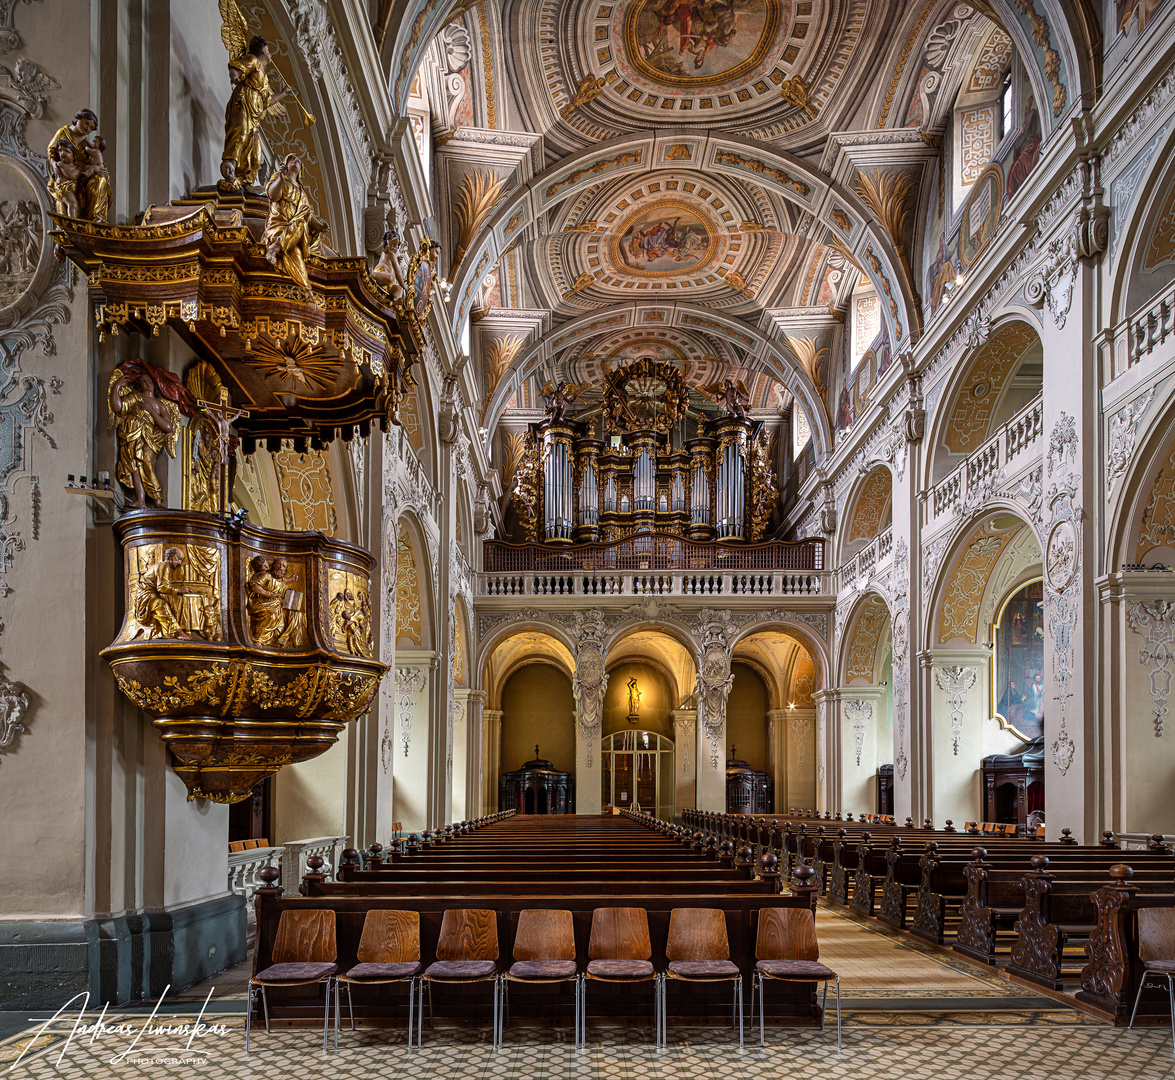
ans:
(1017, 662)
(981, 213)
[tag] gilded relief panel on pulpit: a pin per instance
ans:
(174, 592)
(275, 600)
(349, 611)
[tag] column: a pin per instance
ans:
(714, 682)
(491, 759)
(411, 772)
(827, 716)
(1065, 287)
(685, 759)
(588, 687)
(777, 755)
(861, 709)
(961, 732)
(473, 779)
(799, 758)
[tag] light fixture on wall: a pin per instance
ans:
(884, 683)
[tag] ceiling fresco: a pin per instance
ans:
(711, 184)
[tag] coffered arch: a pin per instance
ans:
(768, 349)
(832, 210)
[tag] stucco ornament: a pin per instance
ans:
(1155, 621)
(14, 704)
(714, 683)
(588, 686)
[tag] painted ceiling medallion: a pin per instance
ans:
(688, 44)
(668, 239)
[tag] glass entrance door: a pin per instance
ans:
(637, 772)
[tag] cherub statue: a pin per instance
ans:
(387, 271)
(731, 396)
(146, 408)
(78, 179)
(252, 97)
(559, 395)
(292, 230)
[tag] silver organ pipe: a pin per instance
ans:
(731, 490)
(558, 490)
(677, 499)
(589, 498)
(644, 482)
(700, 498)
(610, 494)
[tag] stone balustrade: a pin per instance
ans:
(680, 583)
(1011, 449)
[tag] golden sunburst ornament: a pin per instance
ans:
(296, 363)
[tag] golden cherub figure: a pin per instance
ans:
(252, 98)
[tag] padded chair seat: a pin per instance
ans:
(703, 969)
(620, 969)
(543, 969)
(461, 969)
(384, 971)
(1167, 967)
(795, 969)
(302, 972)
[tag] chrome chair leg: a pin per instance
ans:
(1171, 999)
(265, 1007)
(738, 983)
(762, 1008)
(420, 1013)
(350, 1004)
(338, 994)
(1141, 984)
(411, 1003)
(248, 1017)
(838, 1046)
(824, 1006)
(326, 1018)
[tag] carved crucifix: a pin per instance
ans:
(222, 415)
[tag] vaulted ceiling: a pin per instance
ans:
(705, 181)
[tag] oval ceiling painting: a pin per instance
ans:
(695, 43)
(667, 239)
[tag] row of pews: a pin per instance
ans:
(508, 864)
(1059, 915)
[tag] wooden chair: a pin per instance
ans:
(544, 952)
(303, 953)
(1156, 950)
(389, 952)
(786, 949)
(467, 952)
(619, 951)
(699, 951)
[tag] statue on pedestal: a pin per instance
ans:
(147, 405)
(292, 230)
(252, 98)
(78, 179)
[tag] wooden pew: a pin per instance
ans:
(1110, 977)
(480, 867)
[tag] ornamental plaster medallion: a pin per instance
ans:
(25, 258)
(1061, 554)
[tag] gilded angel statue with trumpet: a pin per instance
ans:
(252, 97)
(560, 395)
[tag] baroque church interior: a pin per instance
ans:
(639, 460)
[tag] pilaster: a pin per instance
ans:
(685, 759)
(491, 760)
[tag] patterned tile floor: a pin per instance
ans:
(911, 1012)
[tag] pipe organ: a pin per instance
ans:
(592, 493)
